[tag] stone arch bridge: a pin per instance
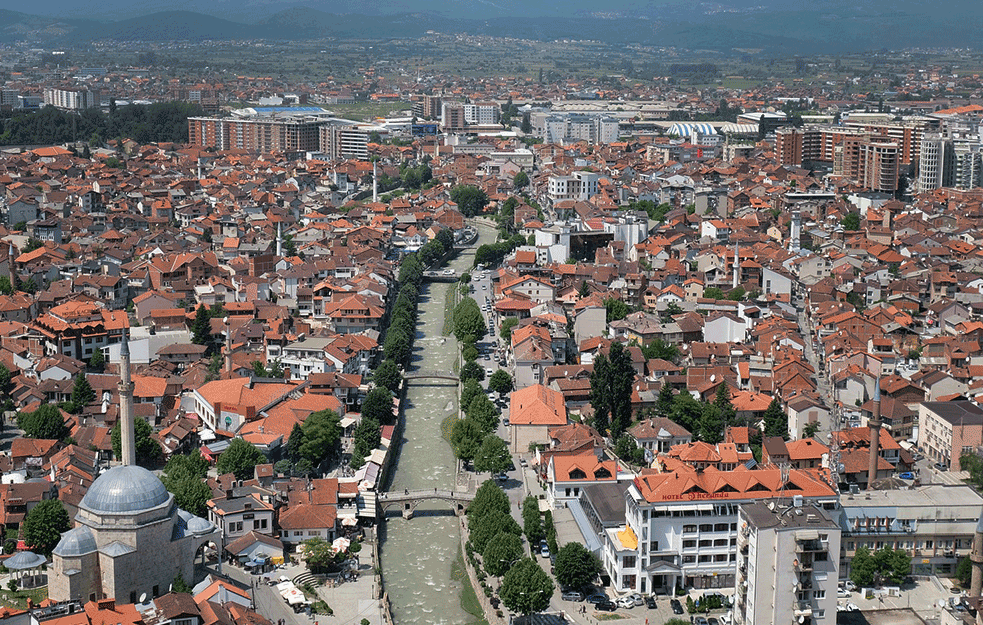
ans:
(408, 500)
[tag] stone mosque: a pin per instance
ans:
(129, 539)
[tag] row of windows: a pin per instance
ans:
(704, 559)
(717, 542)
(710, 527)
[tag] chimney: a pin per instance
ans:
(229, 494)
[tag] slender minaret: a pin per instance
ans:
(375, 184)
(11, 267)
(228, 346)
(126, 427)
(875, 433)
(737, 268)
(976, 558)
(279, 241)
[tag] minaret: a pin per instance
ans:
(11, 267)
(875, 433)
(279, 241)
(127, 433)
(228, 346)
(737, 268)
(375, 184)
(795, 233)
(976, 558)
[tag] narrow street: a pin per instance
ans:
(822, 384)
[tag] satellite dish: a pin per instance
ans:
(143, 598)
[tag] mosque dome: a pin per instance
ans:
(75, 542)
(126, 488)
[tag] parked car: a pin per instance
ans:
(700, 620)
(606, 606)
(907, 475)
(650, 602)
(677, 608)
(572, 595)
(712, 621)
(597, 598)
(849, 585)
(522, 461)
(636, 599)
(626, 602)
(727, 619)
(842, 593)
(852, 607)
(941, 466)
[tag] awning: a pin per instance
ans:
(807, 535)
(591, 541)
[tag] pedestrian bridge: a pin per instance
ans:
(431, 375)
(408, 500)
(442, 276)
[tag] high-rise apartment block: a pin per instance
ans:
(340, 141)
(952, 157)
(71, 99)
(259, 134)
(787, 566)
(571, 127)
(452, 117)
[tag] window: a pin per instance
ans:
(689, 559)
(628, 562)
(705, 558)
(689, 529)
(689, 544)
(707, 527)
(720, 527)
(720, 542)
(706, 543)
(654, 545)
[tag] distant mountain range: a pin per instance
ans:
(777, 26)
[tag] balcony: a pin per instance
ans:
(811, 546)
(803, 565)
(802, 608)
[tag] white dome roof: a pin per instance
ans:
(76, 542)
(127, 488)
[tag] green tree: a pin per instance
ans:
(470, 200)
(378, 405)
(964, 572)
(295, 442)
(82, 393)
(240, 458)
(584, 289)
(851, 222)
(520, 180)
(44, 525)
(663, 405)
(493, 456)
(470, 390)
(526, 588)
(6, 287)
(488, 498)
(610, 389)
(490, 525)
(466, 438)
(723, 404)
(660, 349)
(258, 369)
(472, 371)
(181, 586)
(191, 494)
(368, 436)
(576, 566)
(322, 436)
(201, 328)
(616, 309)
(500, 382)
(505, 331)
(711, 425)
(686, 411)
(484, 413)
(776, 421)
(192, 465)
(387, 376)
(810, 429)
(893, 565)
(147, 449)
(863, 568)
(98, 362)
(532, 522)
(712, 292)
(501, 553)
(47, 422)
(468, 321)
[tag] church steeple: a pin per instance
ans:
(126, 427)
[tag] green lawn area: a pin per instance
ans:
(19, 598)
(367, 111)
(469, 600)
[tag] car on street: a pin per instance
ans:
(727, 619)
(842, 593)
(907, 475)
(522, 461)
(626, 602)
(712, 621)
(606, 606)
(505, 422)
(489, 371)
(941, 467)
(849, 585)
(502, 477)
(650, 602)
(597, 598)
(852, 607)
(636, 599)
(677, 608)
(700, 620)
(572, 595)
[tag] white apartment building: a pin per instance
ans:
(787, 565)
(342, 141)
(681, 527)
(71, 99)
(580, 186)
(482, 114)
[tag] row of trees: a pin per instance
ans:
(472, 437)
(526, 588)
(492, 254)
(144, 123)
